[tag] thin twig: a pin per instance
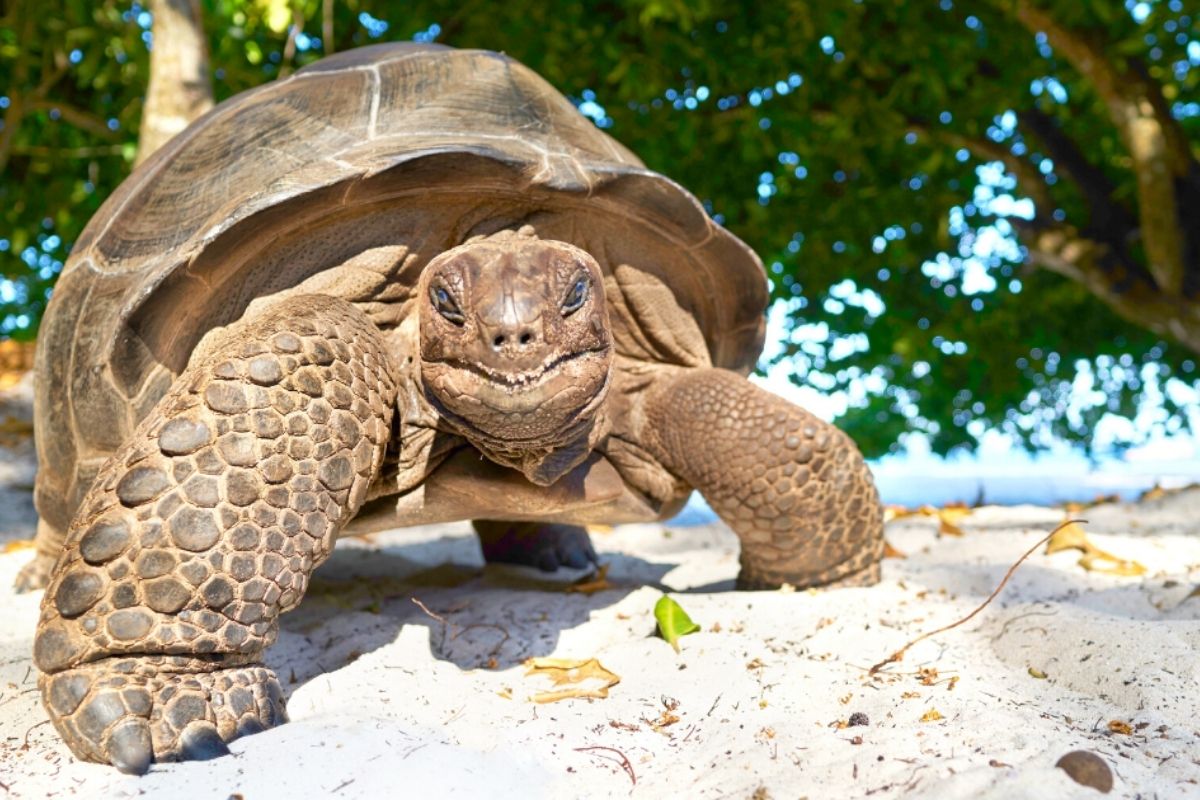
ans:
(25, 745)
(899, 654)
(425, 608)
(624, 759)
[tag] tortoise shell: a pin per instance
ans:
(394, 144)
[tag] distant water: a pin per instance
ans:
(1008, 490)
(1038, 487)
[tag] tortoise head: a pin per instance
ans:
(516, 350)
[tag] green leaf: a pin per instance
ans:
(673, 621)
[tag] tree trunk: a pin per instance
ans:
(180, 87)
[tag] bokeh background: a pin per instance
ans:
(981, 221)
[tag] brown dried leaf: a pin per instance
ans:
(1119, 567)
(949, 517)
(665, 720)
(1153, 493)
(566, 671)
(891, 512)
(891, 552)
(17, 545)
(1117, 726)
(590, 584)
(932, 715)
(1034, 672)
(1071, 536)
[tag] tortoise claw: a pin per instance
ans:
(130, 748)
(128, 713)
(34, 575)
(201, 742)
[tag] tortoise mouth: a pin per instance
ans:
(544, 406)
(528, 379)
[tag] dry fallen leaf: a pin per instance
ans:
(949, 517)
(1153, 493)
(891, 512)
(590, 584)
(18, 544)
(891, 552)
(1117, 726)
(1071, 536)
(1034, 672)
(563, 671)
(932, 715)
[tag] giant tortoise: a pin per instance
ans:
(408, 284)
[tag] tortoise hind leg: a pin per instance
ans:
(793, 488)
(48, 543)
(545, 545)
(203, 528)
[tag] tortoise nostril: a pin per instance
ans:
(526, 337)
(498, 342)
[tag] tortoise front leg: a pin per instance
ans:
(203, 528)
(794, 489)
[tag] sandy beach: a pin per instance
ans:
(404, 671)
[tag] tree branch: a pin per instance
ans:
(1029, 178)
(1060, 249)
(40, 151)
(84, 120)
(1152, 137)
(16, 100)
(1108, 220)
(289, 47)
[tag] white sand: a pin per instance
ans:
(386, 700)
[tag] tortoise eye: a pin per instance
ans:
(575, 297)
(445, 305)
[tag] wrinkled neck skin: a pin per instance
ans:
(516, 353)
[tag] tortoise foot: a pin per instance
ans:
(749, 580)
(34, 575)
(131, 712)
(547, 546)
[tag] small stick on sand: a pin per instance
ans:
(624, 759)
(899, 654)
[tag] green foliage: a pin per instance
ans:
(830, 136)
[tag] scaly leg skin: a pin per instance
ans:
(545, 545)
(36, 574)
(794, 489)
(205, 527)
